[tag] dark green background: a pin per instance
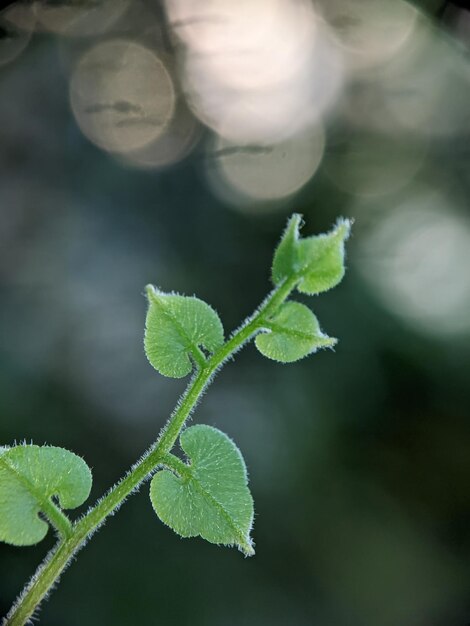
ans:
(359, 459)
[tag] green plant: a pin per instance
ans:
(207, 495)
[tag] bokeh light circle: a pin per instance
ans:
(416, 259)
(82, 19)
(256, 71)
(269, 172)
(371, 32)
(16, 25)
(122, 96)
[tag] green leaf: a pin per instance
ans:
(29, 477)
(285, 262)
(210, 497)
(321, 259)
(318, 261)
(292, 334)
(175, 328)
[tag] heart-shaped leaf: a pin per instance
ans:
(317, 261)
(210, 497)
(321, 259)
(291, 334)
(29, 477)
(175, 328)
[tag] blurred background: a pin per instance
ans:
(168, 142)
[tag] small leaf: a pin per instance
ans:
(317, 261)
(29, 477)
(175, 328)
(292, 334)
(321, 259)
(286, 256)
(210, 498)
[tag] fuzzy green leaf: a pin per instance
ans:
(176, 328)
(318, 261)
(292, 334)
(29, 477)
(321, 259)
(285, 262)
(210, 497)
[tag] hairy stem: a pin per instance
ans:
(61, 555)
(58, 519)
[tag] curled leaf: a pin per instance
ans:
(292, 334)
(321, 259)
(209, 497)
(176, 327)
(29, 477)
(317, 261)
(285, 261)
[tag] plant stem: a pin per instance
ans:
(58, 519)
(61, 555)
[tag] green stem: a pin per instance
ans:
(61, 555)
(58, 519)
(177, 465)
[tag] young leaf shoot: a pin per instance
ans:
(207, 495)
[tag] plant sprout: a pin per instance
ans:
(206, 494)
